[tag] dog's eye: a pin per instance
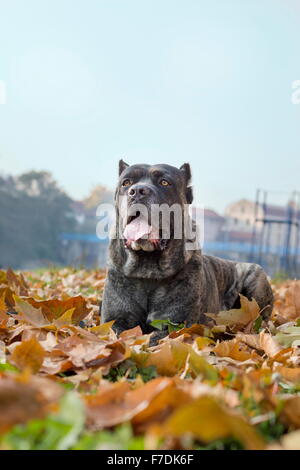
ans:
(126, 183)
(165, 183)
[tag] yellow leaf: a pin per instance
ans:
(248, 312)
(207, 420)
(103, 329)
(29, 354)
(65, 319)
(173, 356)
(203, 342)
(3, 309)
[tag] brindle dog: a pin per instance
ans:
(156, 278)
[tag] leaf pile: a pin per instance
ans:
(68, 382)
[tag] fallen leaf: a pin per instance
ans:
(262, 341)
(117, 403)
(16, 283)
(291, 441)
(288, 336)
(287, 300)
(291, 411)
(28, 313)
(64, 319)
(28, 354)
(237, 318)
(20, 402)
(207, 420)
(236, 350)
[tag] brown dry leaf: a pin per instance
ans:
(132, 333)
(49, 341)
(288, 373)
(236, 350)
(118, 403)
(45, 312)
(196, 388)
(16, 283)
(2, 352)
(112, 355)
(7, 294)
(284, 356)
(161, 406)
(291, 411)
(207, 420)
(54, 308)
(173, 357)
(30, 314)
(241, 317)
(194, 330)
(262, 341)
(55, 362)
(23, 401)
(28, 354)
(162, 357)
(3, 311)
(287, 300)
(135, 337)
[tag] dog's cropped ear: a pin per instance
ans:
(122, 166)
(186, 169)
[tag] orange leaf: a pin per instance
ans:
(236, 350)
(29, 354)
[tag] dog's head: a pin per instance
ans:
(140, 189)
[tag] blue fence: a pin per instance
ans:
(82, 237)
(238, 247)
(90, 251)
(248, 248)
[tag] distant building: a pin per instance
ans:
(212, 223)
(241, 217)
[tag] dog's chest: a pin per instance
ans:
(150, 294)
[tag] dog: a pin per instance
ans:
(151, 277)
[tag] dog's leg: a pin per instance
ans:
(179, 301)
(122, 304)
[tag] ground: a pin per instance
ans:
(67, 382)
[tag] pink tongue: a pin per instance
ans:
(136, 229)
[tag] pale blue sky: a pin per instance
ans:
(163, 81)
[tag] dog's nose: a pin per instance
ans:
(139, 190)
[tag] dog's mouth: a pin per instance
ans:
(131, 218)
(140, 235)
